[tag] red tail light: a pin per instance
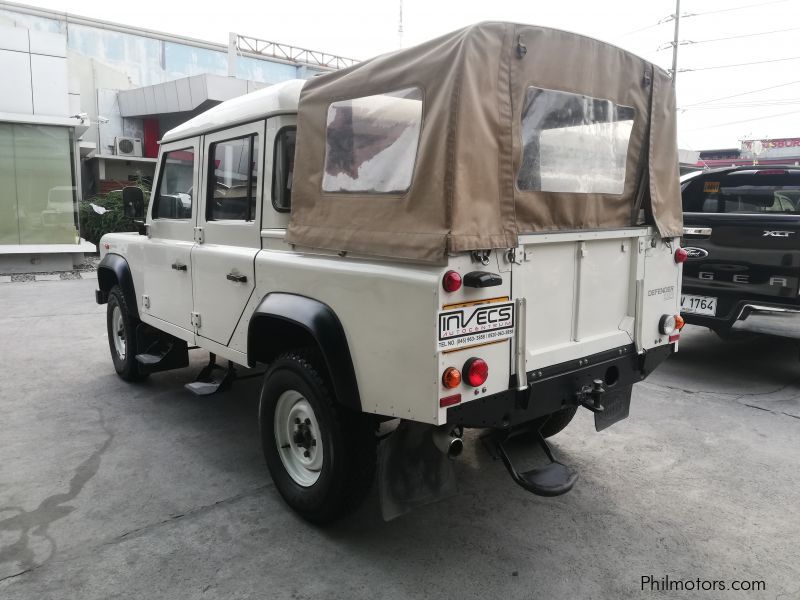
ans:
(476, 371)
(771, 172)
(681, 255)
(451, 282)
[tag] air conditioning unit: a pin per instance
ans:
(128, 146)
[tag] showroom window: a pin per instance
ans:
(38, 199)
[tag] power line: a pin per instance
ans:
(791, 112)
(772, 87)
(730, 37)
(757, 62)
(732, 8)
(753, 104)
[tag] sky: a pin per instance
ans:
(716, 106)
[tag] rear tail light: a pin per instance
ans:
(771, 172)
(681, 255)
(476, 371)
(449, 400)
(669, 324)
(451, 282)
(451, 378)
(679, 322)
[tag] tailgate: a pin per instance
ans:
(587, 292)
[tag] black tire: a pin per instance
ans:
(557, 421)
(349, 443)
(126, 366)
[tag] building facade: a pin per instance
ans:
(84, 104)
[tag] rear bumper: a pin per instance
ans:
(551, 389)
(770, 320)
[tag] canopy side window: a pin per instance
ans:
(371, 143)
(283, 169)
(233, 178)
(173, 200)
(573, 143)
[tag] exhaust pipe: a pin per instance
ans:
(447, 441)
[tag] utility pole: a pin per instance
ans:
(400, 26)
(675, 42)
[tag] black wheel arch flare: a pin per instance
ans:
(114, 270)
(281, 318)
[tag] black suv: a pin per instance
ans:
(742, 237)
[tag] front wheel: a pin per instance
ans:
(322, 456)
(121, 325)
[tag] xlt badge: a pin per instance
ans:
(778, 233)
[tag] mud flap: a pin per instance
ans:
(412, 472)
(616, 406)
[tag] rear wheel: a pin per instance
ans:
(558, 421)
(322, 456)
(121, 325)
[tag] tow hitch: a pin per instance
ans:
(589, 396)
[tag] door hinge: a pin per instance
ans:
(198, 235)
(195, 319)
(146, 301)
(517, 255)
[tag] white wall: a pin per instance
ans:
(34, 68)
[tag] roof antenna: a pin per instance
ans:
(400, 26)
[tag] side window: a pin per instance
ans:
(371, 143)
(283, 169)
(233, 174)
(175, 185)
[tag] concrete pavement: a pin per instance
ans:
(112, 490)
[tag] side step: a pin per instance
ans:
(208, 382)
(552, 479)
(162, 352)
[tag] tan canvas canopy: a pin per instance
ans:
(468, 140)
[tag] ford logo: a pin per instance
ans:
(695, 253)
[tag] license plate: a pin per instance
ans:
(699, 305)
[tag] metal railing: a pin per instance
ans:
(247, 45)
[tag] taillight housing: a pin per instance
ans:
(681, 255)
(668, 324)
(451, 282)
(475, 371)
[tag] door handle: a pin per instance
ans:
(179, 266)
(236, 278)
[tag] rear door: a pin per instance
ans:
(230, 217)
(742, 233)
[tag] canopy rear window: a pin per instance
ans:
(371, 143)
(573, 143)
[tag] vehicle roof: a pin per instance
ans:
(280, 98)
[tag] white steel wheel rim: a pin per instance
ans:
(297, 436)
(118, 332)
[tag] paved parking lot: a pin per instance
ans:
(110, 490)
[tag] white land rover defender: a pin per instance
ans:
(481, 231)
